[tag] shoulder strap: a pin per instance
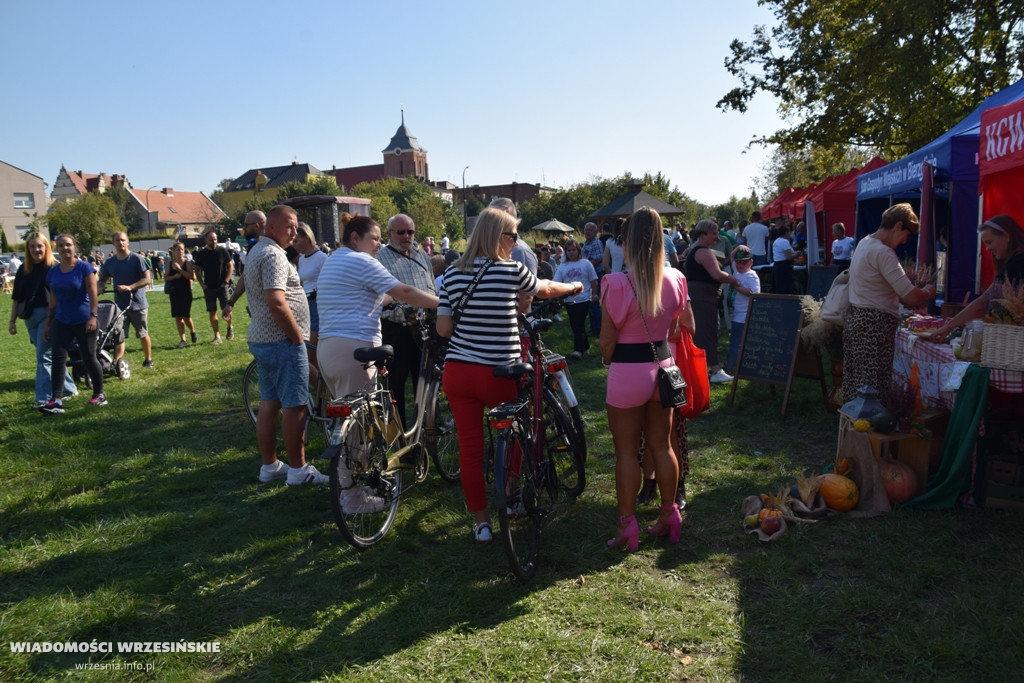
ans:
(406, 256)
(457, 311)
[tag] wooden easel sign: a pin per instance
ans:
(771, 339)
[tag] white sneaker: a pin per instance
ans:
(360, 500)
(721, 377)
(576, 354)
(297, 476)
(278, 470)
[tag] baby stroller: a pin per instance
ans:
(109, 333)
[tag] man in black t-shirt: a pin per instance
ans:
(215, 272)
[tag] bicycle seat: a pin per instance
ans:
(374, 354)
(542, 324)
(515, 370)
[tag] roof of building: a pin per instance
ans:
(276, 176)
(403, 139)
(179, 207)
(353, 175)
(90, 182)
(627, 204)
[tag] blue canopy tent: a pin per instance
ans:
(954, 155)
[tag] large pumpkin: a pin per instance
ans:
(899, 480)
(838, 492)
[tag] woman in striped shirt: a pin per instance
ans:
(484, 335)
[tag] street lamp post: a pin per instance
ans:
(465, 209)
(149, 213)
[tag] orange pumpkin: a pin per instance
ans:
(899, 480)
(769, 512)
(838, 492)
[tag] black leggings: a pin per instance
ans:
(61, 336)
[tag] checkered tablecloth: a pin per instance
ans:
(939, 372)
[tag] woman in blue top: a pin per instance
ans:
(71, 316)
(30, 286)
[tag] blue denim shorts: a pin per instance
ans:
(283, 371)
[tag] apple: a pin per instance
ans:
(770, 525)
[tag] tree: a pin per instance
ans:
(574, 204)
(92, 219)
(217, 196)
(432, 215)
(799, 168)
(315, 186)
(126, 208)
(891, 74)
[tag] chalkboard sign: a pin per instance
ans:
(771, 339)
(819, 280)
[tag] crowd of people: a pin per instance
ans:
(634, 285)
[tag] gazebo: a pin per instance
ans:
(625, 205)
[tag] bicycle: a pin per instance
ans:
(375, 448)
(538, 455)
(556, 375)
(316, 408)
(438, 422)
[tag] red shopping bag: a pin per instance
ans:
(693, 363)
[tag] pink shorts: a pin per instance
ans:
(631, 384)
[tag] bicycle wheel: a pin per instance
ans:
(439, 427)
(364, 492)
(564, 446)
(251, 392)
(519, 512)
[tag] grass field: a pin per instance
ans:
(142, 521)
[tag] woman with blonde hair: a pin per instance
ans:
(642, 308)
(30, 287)
(479, 301)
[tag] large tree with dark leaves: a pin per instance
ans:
(888, 74)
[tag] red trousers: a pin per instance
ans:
(470, 388)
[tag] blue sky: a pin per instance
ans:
(183, 94)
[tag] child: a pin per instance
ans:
(743, 263)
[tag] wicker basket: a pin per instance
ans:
(1002, 347)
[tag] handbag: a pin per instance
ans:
(837, 301)
(692, 361)
(671, 385)
(23, 310)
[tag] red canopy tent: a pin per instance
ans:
(1000, 169)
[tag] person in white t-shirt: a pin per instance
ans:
(750, 284)
(756, 237)
(842, 247)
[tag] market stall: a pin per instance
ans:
(954, 156)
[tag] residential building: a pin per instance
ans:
(21, 193)
(74, 184)
(181, 214)
(266, 182)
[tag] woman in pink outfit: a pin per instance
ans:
(641, 307)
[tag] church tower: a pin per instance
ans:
(404, 156)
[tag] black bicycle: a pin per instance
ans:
(539, 457)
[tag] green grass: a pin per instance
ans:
(143, 521)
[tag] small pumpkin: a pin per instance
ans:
(899, 480)
(862, 425)
(839, 492)
(769, 512)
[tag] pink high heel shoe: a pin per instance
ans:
(629, 534)
(669, 522)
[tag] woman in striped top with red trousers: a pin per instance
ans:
(484, 335)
